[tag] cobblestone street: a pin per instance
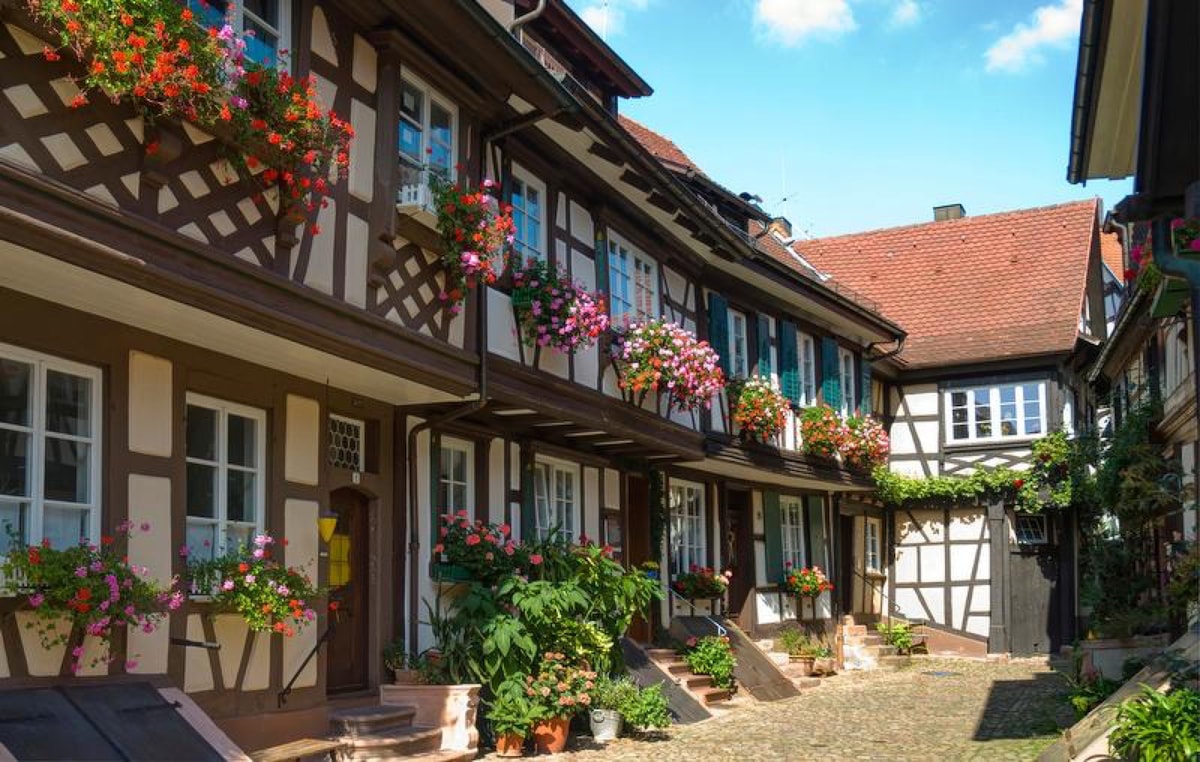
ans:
(973, 710)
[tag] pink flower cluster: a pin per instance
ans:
(476, 232)
(659, 356)
(1185, 232)
(555, 311)
(866, 444)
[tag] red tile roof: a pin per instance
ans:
(1113, 255)
(975, 289)
(663, 148)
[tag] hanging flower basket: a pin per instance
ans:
(865, 444)
(759, 409)
(663, 357)
(808, 582)
(477, 232)
(554, 311)
(701, 583)
(822, 432)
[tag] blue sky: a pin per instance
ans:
(861, 113)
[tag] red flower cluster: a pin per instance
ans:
(701, 582)
(809, 581)
(477, 232)
(759, 409)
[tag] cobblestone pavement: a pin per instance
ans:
(974, 710)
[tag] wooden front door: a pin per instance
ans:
(637, 542)
(346, 655)
(739, 548)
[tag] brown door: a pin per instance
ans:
(346, 657)
(637, 542)
(739, 549)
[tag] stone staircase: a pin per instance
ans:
(793, 671)
(383, 732)
(864, 648)
(700, 686)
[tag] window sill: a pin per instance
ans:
(991, 444)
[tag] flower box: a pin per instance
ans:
(449, 573)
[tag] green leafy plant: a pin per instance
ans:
(553, 310)
(647, 709)
(477, 232)
(822, 431)
(713, 656)
(512, 712)
(559, 689)
(1159, 727)
(898, 634)
(613, 693)
(791, 640)
(395, 656)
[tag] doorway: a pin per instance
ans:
(346, 656)
(637, 542)
(739, 547)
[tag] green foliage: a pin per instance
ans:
(647, 709)
(395, 655)
(712, 656)
(613, 693)
(1159, 727)
(658, 511)
(791, 640)
(512, 712)
(898, 634)
(559, 689)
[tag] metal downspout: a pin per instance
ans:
(520, 21)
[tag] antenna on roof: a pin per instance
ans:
(604, 20)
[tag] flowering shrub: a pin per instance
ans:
(701, 582)
(712, 656)
(251, 583)
(93, 586)
(554, 311)
(476, 232)
(157, 52)
(822, 431)
(663, 357)
(865, 444)
(1185, 234)
(1144, 272)
(809, 581)
(759, 409)
(560, 689)
(485, 551)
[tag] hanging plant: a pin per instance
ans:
(554, 311)
(806, 581)
(865, 443)
(1185, 234)
(658, 356)
(93, 587)
(759, 409)
(157, 54)
(822, 432)
(477, 232)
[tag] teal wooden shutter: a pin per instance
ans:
(774, 534)
(764, 346)
(601, 259)
(718, 329)
(789, 362)
(864, 403)
(831, 384)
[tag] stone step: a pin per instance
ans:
(807, 683)
(713, 695)
(662, 654)
(696, 682)
(678, 667)
(893, 662)
(398, 743)
(364, 720)
(854, 629)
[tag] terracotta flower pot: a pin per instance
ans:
(406, 676)
(805, 663)
(510, 745)
(550, 736)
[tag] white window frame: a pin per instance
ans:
(689, 536)
(806, 351)
(418, 193)
(994, 412)
(791, 530)
(224, 409)
(465, 448)
(283, 33)
(848, 380)
(739, 363)
(1023, 523)
(626, 302)
(547, 501)
(535, 249)
(41, 364)
(873, 545)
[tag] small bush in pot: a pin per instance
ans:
(647, 709)
(712, 656)
(512, 715)
(405, 670)
(608, 701)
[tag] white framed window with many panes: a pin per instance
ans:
(806, 351)
(849, 381)
(688, 544)
(50, 421)
(428, 139)
(989, 413)
(791, 527)
(226, 475)
(739, 360)
(555, 498)
(528, 199)
(265, 24)
(456, 473)
(873, 534)
(633, 281)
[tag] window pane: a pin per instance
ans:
(14, 519)
(458, 496)
(201, 433)
(64, 527)
(201, 490)
(14, 462)
(241, 496)
(266, 10)
(201, 540)
(412, 112)
(958, 399)
(1008, 418)
(241, 437)
(14, 392)
(238, 535)
(983, 413)
(1033, 423)
(68, 403)
(816, 532)
(441, 138)
(261, 43)
(961, 431)
(459, 459)
(68, 471)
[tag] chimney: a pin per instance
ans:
(949, 212)
(781, 227)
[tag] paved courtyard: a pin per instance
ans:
(972, 710)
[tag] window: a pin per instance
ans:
(791, 517)
(687, 527)
(1031, 529)
(555, 497)
(816, 532)
(345, 443)
(872, 531)
(633, 281)
(996, 412)
(740, 363)
(49, 449)
(848, 381)
(427, 139)
(807, 352)
(265, 24)
(226, 489)
(454, 475)
(529, 214)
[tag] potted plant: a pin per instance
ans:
(701, 582)
(663, 357)
(473, 550)
(405, 671)
(561, 691)
(713, 656)
(807, 582)
(512, 715)
(647, 709)
(758, 407)
(476, 232)
(554, 311)
(609, 699)
(865, 444)
(822, 432)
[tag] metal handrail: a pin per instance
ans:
(721, 631)
(282, 697)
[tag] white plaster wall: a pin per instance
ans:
(514, 475)
(303, 444)
(612, 488)
(150, 503)
(502, 326)
(150, 413)
(197, 673)
(300, 528)
(582, 226)
(587, 360)
(714, 522)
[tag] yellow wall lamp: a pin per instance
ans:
(326, 526)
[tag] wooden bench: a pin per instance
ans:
(305, 748)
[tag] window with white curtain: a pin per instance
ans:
(791, 518)
(528, 199)
(50, 413)
(807, 353)
(873, 530)
(849, 382)
(1006, 411)
(739, 365)
(688, 544)
(633, 281)
(555, 497)
(454, 475)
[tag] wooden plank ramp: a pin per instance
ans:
(755, 671)
(684, 708)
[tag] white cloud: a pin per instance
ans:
(1053, 25)
(791, 22)
(906, 13)
(607, 17)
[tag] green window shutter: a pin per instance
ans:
(831, 385)
(864, 404)
(718, 329)
(601, 259)
(789, 362)
(435, 477)
(764, 346)
(773, 531)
